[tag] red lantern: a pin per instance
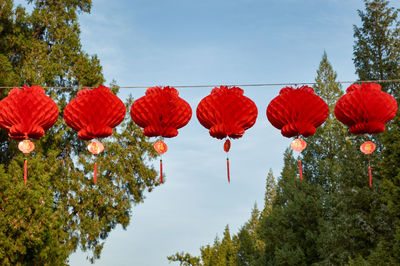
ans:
(161, 112)
(226, 112)
(94, 113)
(27, 113)
(365, 109)
(297, 112)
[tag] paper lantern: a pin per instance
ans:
(94, 113)
(365, 109)
(161, 112)
(297, 112)
(27, 113)
(226, 112)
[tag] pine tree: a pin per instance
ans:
(334, 163)
(60, 209)
(377, 56)
(377, 44)
(270, 193)
(291, 228)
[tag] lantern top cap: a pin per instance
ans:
(222, 89)
(364, 86)
(302, 88)
(160, 89)
(31, 89)
(87, 91)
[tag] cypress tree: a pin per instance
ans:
(60, 209)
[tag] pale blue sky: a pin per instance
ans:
(172, 42)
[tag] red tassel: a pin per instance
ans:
(161, 177)
(370, 176)
(26, 170)
(95, 173)
(227, 168)
(369, 171)
(300, 170)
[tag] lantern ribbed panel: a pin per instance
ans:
(226, 112)
(94, 113)
(161, 112)
(365, 108)
(297, 111)
(27, 113)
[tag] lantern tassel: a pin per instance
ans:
(300, 170)
(26, 170)
(95, 173)
(95, 169)
(227, 168)
(370, 173)
(161, 175)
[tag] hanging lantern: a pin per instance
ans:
(27, 113)
(226, 112)
(94, 113)
(161, 112)
(365, 109)
(297, 112)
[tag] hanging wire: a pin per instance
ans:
(229, 85)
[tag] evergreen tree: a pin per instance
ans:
(377, 44)
(377, 56)
(270, 193)
(290, 230)
(60, 209)
(334, 163)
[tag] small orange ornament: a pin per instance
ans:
(367, 147)
(160, 146)
(298, 145)
(26, 146)
(95, 147)
(227, 145)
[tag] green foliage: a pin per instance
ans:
(377, 44)
(377, 56)
(60, 209)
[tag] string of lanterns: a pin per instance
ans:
(27, 113)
